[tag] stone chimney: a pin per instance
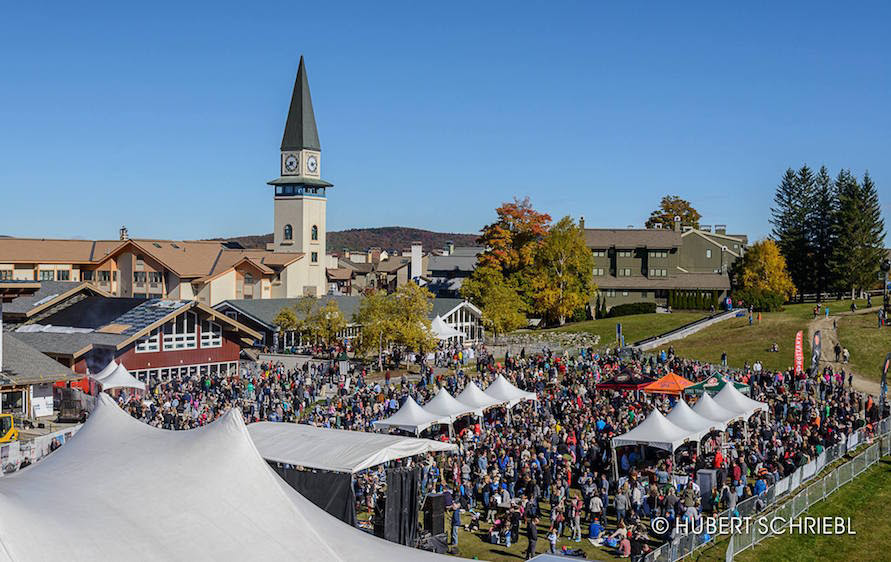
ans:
(345, 254)
(582, 223)
(374, 255)
(450, 248)
(124, 234)
(721, 229)
(677, 223)
(416, 262)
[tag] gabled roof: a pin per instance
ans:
(23, 364)
(709, 237)
(49, 294)
(631, 238)
(300, 127)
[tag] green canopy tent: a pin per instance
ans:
(713, 385)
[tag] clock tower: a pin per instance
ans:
(300, 191)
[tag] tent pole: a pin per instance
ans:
(615, 465)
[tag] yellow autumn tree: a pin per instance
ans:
(763, 269)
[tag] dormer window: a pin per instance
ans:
(314, 232)
(289, 232)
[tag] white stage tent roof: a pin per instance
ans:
(124, 490)
(655, 431)
(708, 408)
(684, 417)
(411, 417)
(477, 399)
(445, 405)
(120, 377)
(337, 450)
(443, 331)
(732, 399)
(107, 370)
(502, 390)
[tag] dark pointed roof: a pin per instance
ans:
(300, 128)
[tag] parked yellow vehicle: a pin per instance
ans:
(8, 432)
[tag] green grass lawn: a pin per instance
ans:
(635, 326)
(866, 500)
(866, 343)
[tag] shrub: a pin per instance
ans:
(632, 308)
(760, 299)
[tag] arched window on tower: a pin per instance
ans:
(315, 232)
(289, 232)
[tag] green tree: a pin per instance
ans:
(790, 217)
(326, 321)
(285, 319)
(670, 207)
(823, 231)
(561, 279)
(377, 324)
(410, 307)
(303, 310)
(503, 309)
(860, 246)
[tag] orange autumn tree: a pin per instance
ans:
(511, 240)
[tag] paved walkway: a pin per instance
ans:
(830, 338)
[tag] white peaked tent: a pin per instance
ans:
(654, 431)
(107, 370)
(410, 417)
(477, 399)
(684, 417)
(336, 450)
(444, 405)
(202, 494)
(732, 399)
(120, 378)
(443, 331)
(708, 408)
(502, 390)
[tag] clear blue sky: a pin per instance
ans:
(167, 116)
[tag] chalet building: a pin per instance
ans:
(206, 271)
(647, 265)
(446, 273)
(153, 338)
(260, 316)
(356, 277)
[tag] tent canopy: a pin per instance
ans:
(713, 385)
(683, 416)
(477, 399)
(669, 384)
(445, 405)
(708, 408)
(124, 490)
(107, 370)
(336, 450)
(120, 377)
(502, 390)
(443, 331)
(735, 401)
(655, 431)
(411, 417)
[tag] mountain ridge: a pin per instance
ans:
(384, 237)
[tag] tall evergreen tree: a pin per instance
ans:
(789, 217)
(823, 230)
(861, 232)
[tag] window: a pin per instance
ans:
(103, 276)
(643, 294)
(658, 273)
(211, 334)
(5, 275)
(610, 292)
(659, 254)
(180, 333)
(625, 253)
(626, 272)
(154, 277)
(149, 343)
(47, 275)
(314, 257)
(624, 293)
(289, 232)
(63, 274)
(708, 253)
(598, 271)
(248, 279)
(314, 232)
(139, 261)
(598, 253)
(86, 275)
(139, 277)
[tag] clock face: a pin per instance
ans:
(312, 164)
(291, 163)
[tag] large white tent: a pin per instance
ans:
(337, 450)
(477, 399)
(655, 431)
(732, 399)
(443, 331)
(502, 390)
(445, 405)
(708, 408)
(107, 370)
(684, 417)
(410, 417)
(124, 490)
(120, 377)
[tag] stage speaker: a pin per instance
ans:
(434, 514)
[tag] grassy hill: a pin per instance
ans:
(385, 237)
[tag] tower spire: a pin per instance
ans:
(300, 128)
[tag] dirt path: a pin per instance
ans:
(830, 338)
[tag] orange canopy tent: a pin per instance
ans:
(669, 384)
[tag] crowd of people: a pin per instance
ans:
(549, 460)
